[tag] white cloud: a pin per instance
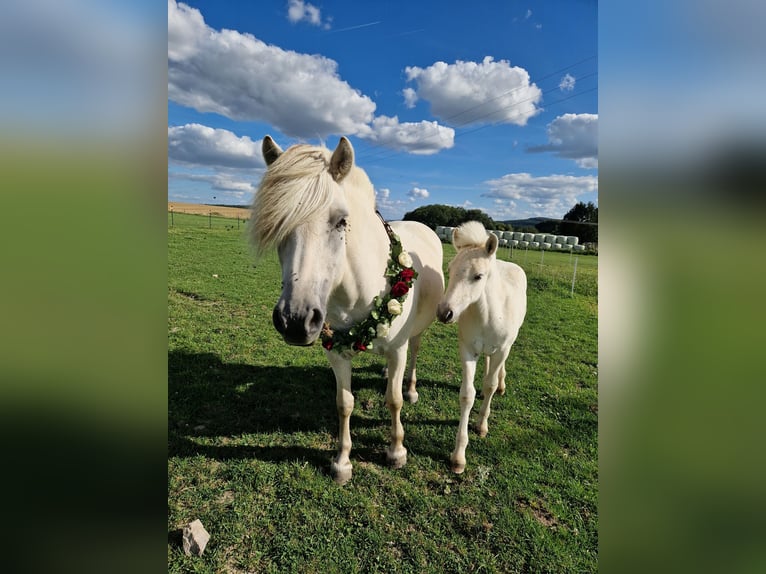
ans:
(410, 97)
(219, 181)
(528, 15)
(202, 145)
(573, 136)
(390, 208)
(241, 77)
(299, 11)
(417, 193)
(421, 138)
(477, 93)
(567, 83)
(549, 196)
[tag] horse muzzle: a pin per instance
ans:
(301, 328)
(445, 313)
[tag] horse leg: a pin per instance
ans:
(344, 400)
(467, 396)
(411, 394)
(397, 360)
(491, 378)
(501, 380)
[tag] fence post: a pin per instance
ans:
(171, 218)
(542, 258)
(573, 276)
(210, 220)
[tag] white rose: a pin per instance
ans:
(405, 260)
(394, 307)
(382, 330)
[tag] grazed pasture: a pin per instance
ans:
(252, 425)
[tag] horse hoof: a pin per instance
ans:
(341, 474)
(457, 467)
(411, 397)
(482, 431)
(398, 459)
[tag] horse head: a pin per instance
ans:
(468, 271)
(301, 208)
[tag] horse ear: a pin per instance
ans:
(455, 235)
(271, 151)
(491, 245)
(342, 160)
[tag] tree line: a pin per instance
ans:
(581, 220)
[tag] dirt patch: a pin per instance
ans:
(202, 209)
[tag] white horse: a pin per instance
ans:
(488, 298)
(347, 275)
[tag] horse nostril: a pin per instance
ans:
(448, 315)
(316, 320)
(279, 321)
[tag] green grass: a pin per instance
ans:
(252, 428)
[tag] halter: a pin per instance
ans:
(401, 276)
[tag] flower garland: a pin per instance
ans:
(377, 324)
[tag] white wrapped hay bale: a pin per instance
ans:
(518, 235)
(496, 233)
(534, 245)
(578, 248)
(572, 240)
(567, 247)
(508, 235)
(557, 246)
(528, 237)
(515, 242)
(550, 239)
(545, 245)
(523, 244)
(440, 231)
(561, 239)
(503, 242)
(539, 238)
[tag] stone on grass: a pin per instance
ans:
(195, 538)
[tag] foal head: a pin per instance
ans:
(469, 270)
(302, 209)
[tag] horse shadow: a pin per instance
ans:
(212, 399)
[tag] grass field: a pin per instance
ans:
(252, 427)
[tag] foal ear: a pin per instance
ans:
(342, 160)
(491, 245)
(271, 151)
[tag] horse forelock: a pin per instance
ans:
(296, 187)
(470, 234)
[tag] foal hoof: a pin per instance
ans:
(482, 431)
(341, 474)
(396, 459)
(457, 467)
(411, 396)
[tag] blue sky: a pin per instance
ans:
(485, 105)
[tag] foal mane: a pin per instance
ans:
(294, 188)
(469, 234)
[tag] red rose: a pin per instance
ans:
(406, 274)
(359, 346)
(400, 288)
(327, 344)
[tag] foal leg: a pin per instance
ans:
(411, 394)
(397, 360)
(467, 396)
(344, 400)
(491, 378)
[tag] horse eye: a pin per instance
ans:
(341, 224)
(478, 277)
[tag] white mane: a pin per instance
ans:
(294, 188)
(469, 234)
